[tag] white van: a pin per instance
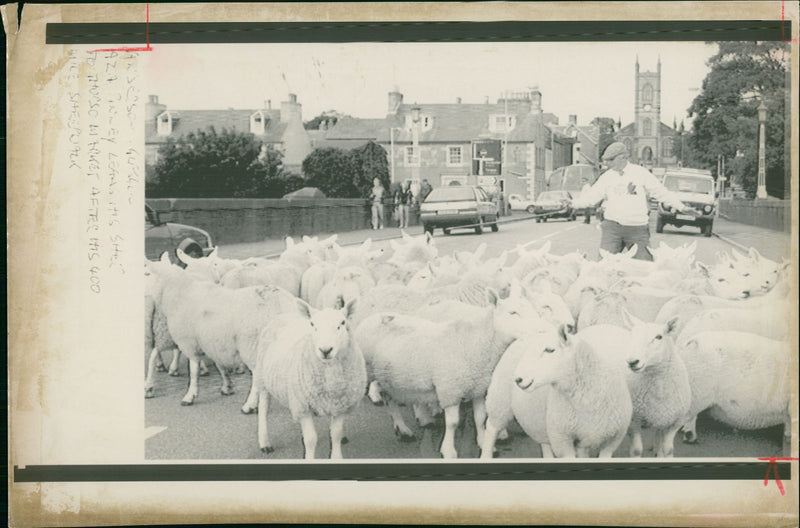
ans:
(695, 188)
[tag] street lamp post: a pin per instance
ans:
(391, 152)
(761, 191)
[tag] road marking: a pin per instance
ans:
(153, 430)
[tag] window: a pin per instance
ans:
(411, 157)
(501, 122)
(647, 154)
(647, 126)
(164, 124)
(667, 149)
(454, 155)
(647, 94)
(540, 157)
(257, 123)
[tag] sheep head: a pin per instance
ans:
(651, 343)
(547, 358)
(328, 328)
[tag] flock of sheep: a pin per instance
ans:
(580, 353)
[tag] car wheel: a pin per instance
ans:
(544, 219)
(494, 225)
(659, 225)
(706, 229)
(538, 220)
(446, 231)
(428, 228)
(529, 209)
(479, 227)
(572, 217)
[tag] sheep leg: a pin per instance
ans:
(374, 394)
(666, 446)
(191, 394)
(151, 373)
(489, 439)
(252, 400)
(561, 446)
(160, 363)
(582, 452)
(175, 363)
(263, 432)
(636, 448)
(309, 436)
(401, 430)
(608, 450)
(547, 451)
(203, 368)
(226, 389)
(690, 430)
(451, 419)
(337, 428)
(479, 415)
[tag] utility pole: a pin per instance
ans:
(761, 191)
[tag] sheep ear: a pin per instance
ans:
(339, 302)
(406, 236)
(304, 308)
(672, 325)
(165, 258)
(350, 307)
(754, 254)
(603, 253)
(628, 320)
(428, 237)
(632, 251)
(565, 333)
(289, 242)
(213, 254)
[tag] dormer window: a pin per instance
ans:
(425, 122)
(501, 122)
(164, 124)
(257, 122)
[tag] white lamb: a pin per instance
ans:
(347, 283)
(418, 361)
(744, 379)
(767, 323)
(310, 364)
(263, 272)
(644, 303)
(208, 319)
(659, 383)
(588, 407)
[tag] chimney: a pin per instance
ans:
(291, 110)
(152, 108)
(323, 124)
(573, 119)
(395, 100)
(458, 100)
(486, 101)
(536, 100)
(268, 104)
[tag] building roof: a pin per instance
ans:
(187, 121)
(355, 128)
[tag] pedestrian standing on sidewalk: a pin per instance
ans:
(404, 199)
(626, 216)
(376, 196)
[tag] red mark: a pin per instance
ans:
(773, 468)
(146, 36)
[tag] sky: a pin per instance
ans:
(584, 79)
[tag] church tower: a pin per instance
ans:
(647, 116)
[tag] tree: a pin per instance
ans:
(742, 75)
(207, 164)
(341, 173)
(605, 126)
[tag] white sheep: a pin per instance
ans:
(744, 379)
(419, 361)
(644, 303)
(659, 383)
(310, 364)
(588, 407)
(208, 319)
(347, 283)
(264, 272)
(767, 323)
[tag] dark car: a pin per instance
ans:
(458, 206)
(160, 236)
(553, 204)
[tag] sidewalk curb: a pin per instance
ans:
(731, 242)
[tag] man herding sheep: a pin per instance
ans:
(625, 188)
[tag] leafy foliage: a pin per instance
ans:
(742, 75)
(343, 173)
(228, 164)
(606, 126)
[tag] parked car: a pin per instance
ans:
(573, 178)
(160, 236)
(518, 203)
(553, 204)
(458, 206)
(695, 188)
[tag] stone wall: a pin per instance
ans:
(236, 220)
(770, 213)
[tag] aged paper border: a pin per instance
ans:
(41, 338)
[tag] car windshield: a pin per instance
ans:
(688, 184)
(554, 195)
(451, 194)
